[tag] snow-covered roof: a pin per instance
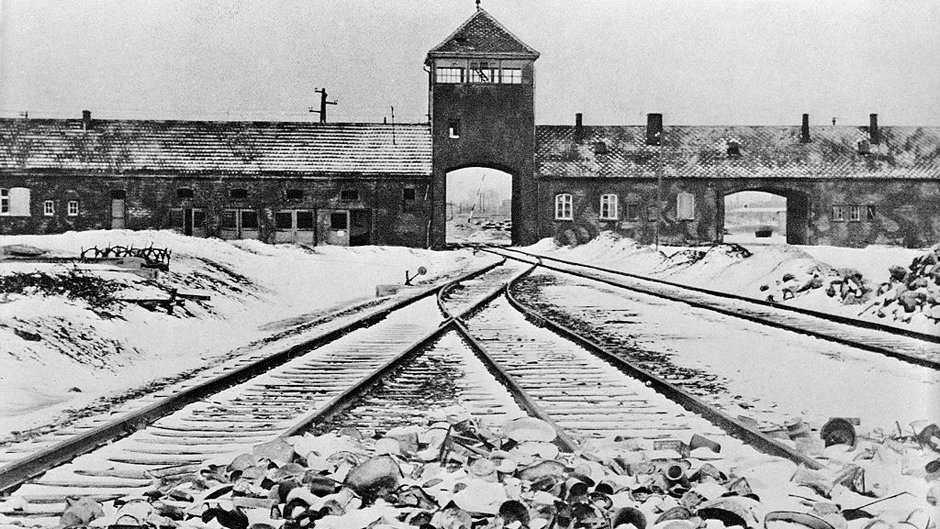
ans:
(763, 151)
(482, 36)
(127, 146)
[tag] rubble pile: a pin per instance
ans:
(845, 284)
(457, 474)
(910, 291)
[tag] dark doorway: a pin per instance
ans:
(360, 229)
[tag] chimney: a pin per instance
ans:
(654, 129)
(86, 119)
(873, 131)
(578, 128)
(804, 131)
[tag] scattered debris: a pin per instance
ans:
(454, 472)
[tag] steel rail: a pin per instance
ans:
(842, 320)
(15, 473)
(748, 434)
(452, 322)
(562, 439)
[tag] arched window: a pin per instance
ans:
(609, 209)
(563, 209)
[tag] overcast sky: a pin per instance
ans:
(696, 61)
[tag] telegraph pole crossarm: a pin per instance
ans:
(323, 103)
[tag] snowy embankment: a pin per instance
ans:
(851, 282)
(67, 338)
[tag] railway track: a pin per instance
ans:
(909, 346)
(475, 345)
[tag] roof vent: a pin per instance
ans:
(863, 146)
(654, 129)
(804, 130)
(600, 147)
(733, 148)
(86, 119)
(578, 128)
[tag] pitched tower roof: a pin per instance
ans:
(482, 36)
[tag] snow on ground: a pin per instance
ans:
(724, 269)
(58, 353)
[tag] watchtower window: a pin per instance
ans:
(449, 75)
(482, 72)
(453, 129)
(512, 76)
(349, 194)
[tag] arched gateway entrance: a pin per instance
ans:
(772, 216)
(479, 206)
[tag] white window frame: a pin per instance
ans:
(564, 209)
(511, 76)
(48, 208)
(838, 213)
(448, 75)
(4, 201)
(855, 213)
(72, 208)
(685, 206)
(609, 209)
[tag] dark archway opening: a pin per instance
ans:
(479, 206)
(765, 217)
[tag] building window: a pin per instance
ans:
(229, 221)
(871, 213)
(632, 211)
(283, 220)
(449, 75)
(349, 194)
(855, 213)
(838, 213)
(512, 76)
(453, 129)
(408, 195)
(249, 219)
(609, 207)
(652, 214)
(482, 72)
(295, 194)
(563, 208)
(184, 192)
(238, 194)
(338, 221)
(685, 206)
(72, 208)
(304, 220)
(4, 201)
(48, 208)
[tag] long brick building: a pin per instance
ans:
(355, 183)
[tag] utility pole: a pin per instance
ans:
(323, 103)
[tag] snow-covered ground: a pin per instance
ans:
(58, 353)
(759, 275)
